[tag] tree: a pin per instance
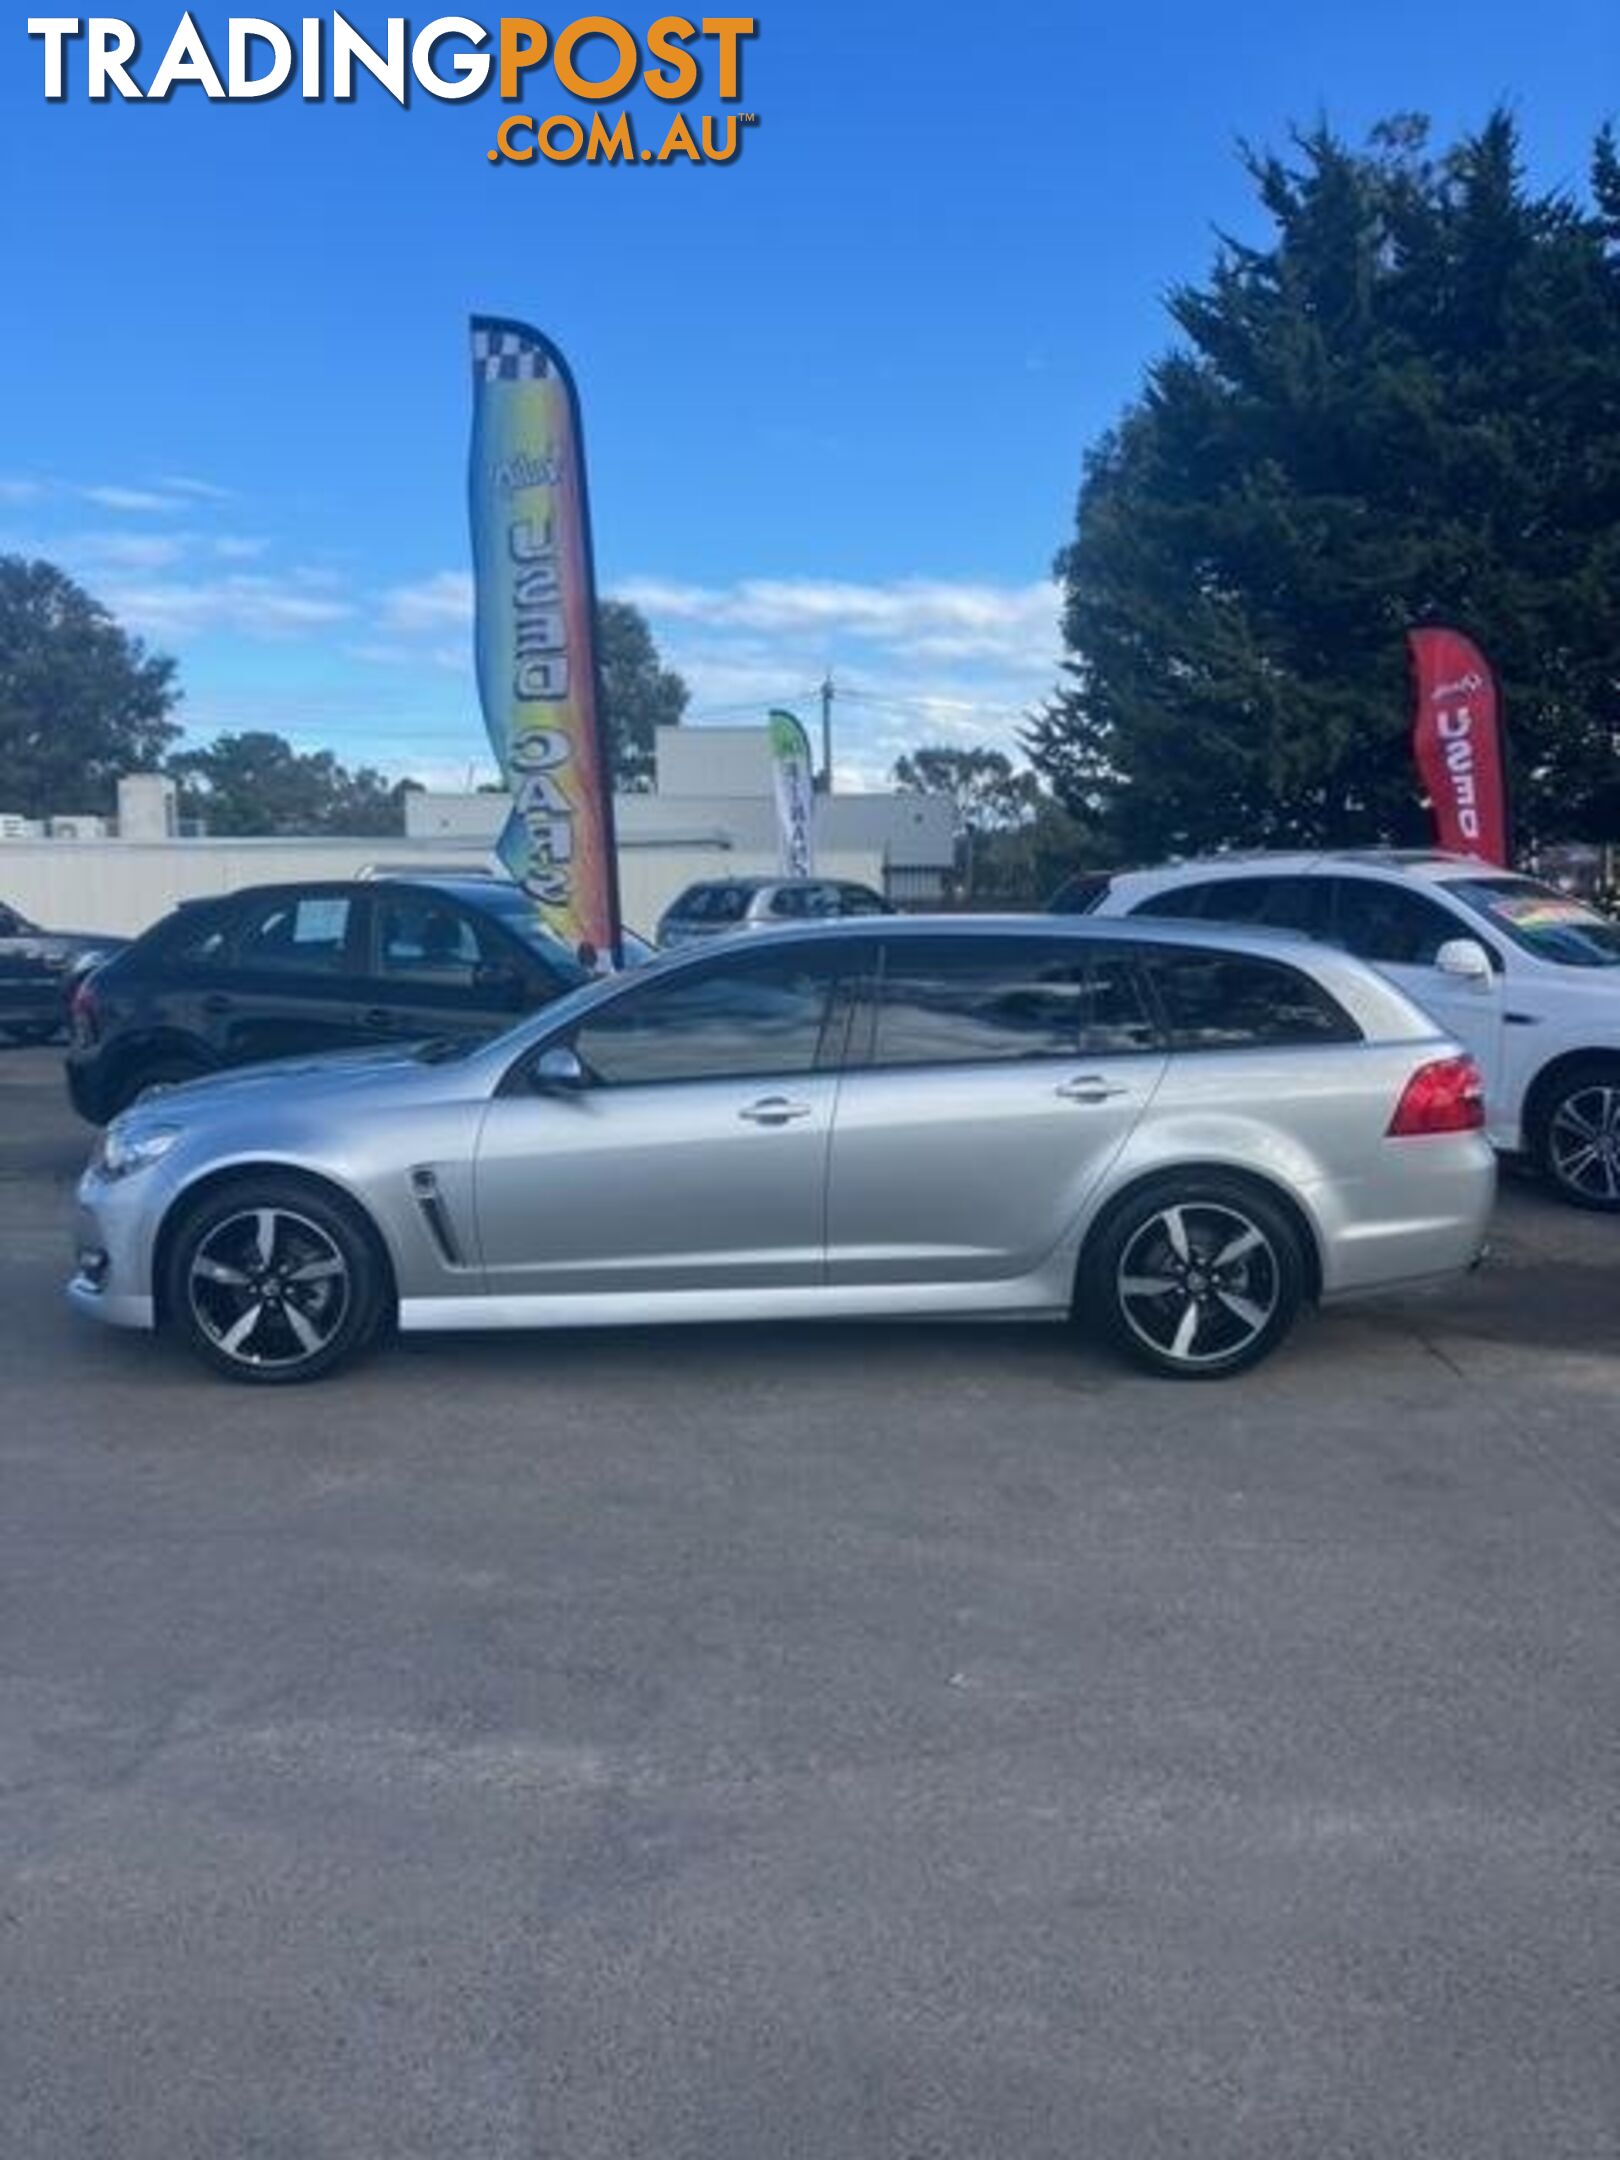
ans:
(81, 701)
(989, 794)
(1404, 408)
(639, 694)
(1015, 843)
(257, 784)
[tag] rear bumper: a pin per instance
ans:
(1422, 1217)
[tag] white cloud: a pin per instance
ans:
(124, 498)
(243, 605)
(236, 547)
(203, 490)
(979, 620)
(21, 491)
(433, 603)
(129, 551)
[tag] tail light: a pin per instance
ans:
(84, 1012)
(1445, 1097)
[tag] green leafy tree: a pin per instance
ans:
(256, 784)
(1015, 842)
(81, 701)
(639, 694)
(1403, 408)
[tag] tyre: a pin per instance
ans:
(1575, 1134)
(272, 1281)
(1195, 1277)
(168, 1069)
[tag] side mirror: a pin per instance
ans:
(558, 1071)
(1465, 959)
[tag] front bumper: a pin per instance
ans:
(112, 1274)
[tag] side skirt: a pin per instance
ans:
(1022, 1298)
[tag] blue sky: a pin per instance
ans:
(836, 394)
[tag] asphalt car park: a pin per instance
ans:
(923, 1741)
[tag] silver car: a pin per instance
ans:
(720, 907)
(1179, 1136)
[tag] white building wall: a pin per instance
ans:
(122, 886)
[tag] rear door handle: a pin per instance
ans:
(217, 1002)
(774, 1110)
(377, 1016)
(1090, 1087)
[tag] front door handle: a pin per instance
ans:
(1090, 1087)
(377, 1016)
(774, 1110)
(217, 1002)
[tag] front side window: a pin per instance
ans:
(1389, 924)
(754, 1017)
(975, 1000)
(422, 939)
(1228, 1001)
(306, 932)
(1541, 919)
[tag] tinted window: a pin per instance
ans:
(796, 902)
(1080, 894)
(856, 900)
(199, 938)
(307, 933)
(1381, 921)
(751, 1018)
(1181, 901)
(1272, 903)
(955, 1001)
(712, 904)
(11, 923)
(1226, 1001)
(422, 939)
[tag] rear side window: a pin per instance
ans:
(1273, 903)
(801, 903)
(1181, 901)
(1228, 1001)
(305, 932)
(712, 904)
(964, 1001)
(856, 900)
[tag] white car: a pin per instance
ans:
(1528, 978)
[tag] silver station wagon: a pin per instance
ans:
(1177, 1136)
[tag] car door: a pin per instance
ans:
(992, 1079)
(1399, 931)
(288, 979)
(695, 1156)
(434, 968)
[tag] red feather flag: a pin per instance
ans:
(1457, 740)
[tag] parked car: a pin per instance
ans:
(274, 970)
(1526, 977)
(38, 969)
(716, 907)
(1183, 1136)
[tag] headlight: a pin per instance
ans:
(122, 1150)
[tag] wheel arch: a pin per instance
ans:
(1268, 1188)
(1541, 1088)
(331, 1189)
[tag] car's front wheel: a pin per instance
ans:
(1195, 1277)
(1575, 1135)
(270, 1280)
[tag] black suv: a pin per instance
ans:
(281, 970)
(38, 969)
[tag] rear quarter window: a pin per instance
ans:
(1230, 1001)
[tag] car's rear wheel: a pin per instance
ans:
(271, 1281)
(1195, 1277)
(1575, 1135)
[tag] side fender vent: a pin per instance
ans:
(425, 1192)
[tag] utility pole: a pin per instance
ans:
(827, 694)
